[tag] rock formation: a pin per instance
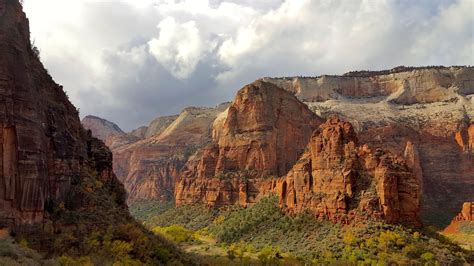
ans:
(101, 128)
(159, 125)
(430, 107)
(424, 115)
(44, 146)
(465, 216)
(262, 134)
(150, 167)
(335, 178)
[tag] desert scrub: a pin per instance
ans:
(193, 217)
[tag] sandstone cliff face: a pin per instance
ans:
(265, 130)
(432, 108)
(101, 128)
(57, 187)
(158, 125)
(340, 180)
(335, 179)
(261, 134)
(400, 85)
(150, 167)
(44, 150)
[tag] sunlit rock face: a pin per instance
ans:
(150, 167)
(338, 179)
(430, 107)
(464, 218)
(262, 134)
(101, 128)
(44, 148)
(335, 178)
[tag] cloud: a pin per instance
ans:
(179, 47)
(132, 60)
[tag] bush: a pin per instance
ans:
(176, 233)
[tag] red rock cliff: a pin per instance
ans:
(261, 135)
(257, 142)
(341, 180)
(44, 147)
(431, 107)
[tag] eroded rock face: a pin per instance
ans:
(334, 178)
(265, 129)
(261, 134)
(44, 147)
(159, 125)
(400, 85)
(101, 128)
(340, 180)
(430, 107)
(150, 167)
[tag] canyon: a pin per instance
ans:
(422, 117)
(370, 148)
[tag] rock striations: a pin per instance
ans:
(150, 167)
(262, 134)
(338, 179)
(44, 147)
(260, 150)
(430, 107)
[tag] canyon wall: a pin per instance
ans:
(334, 177)
(45, 152)
(150, 167)
(431, 107)
(465, 218)
(424, 115)
(57, 186)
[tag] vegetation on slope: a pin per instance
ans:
(93, 227)
(264, 233)
(145, 210)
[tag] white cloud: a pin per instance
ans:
(156, 56)
(180, 47)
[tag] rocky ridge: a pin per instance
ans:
(101, 128)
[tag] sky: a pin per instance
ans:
(130, 61)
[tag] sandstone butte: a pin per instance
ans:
(263, 147)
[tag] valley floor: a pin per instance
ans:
(264, 235)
